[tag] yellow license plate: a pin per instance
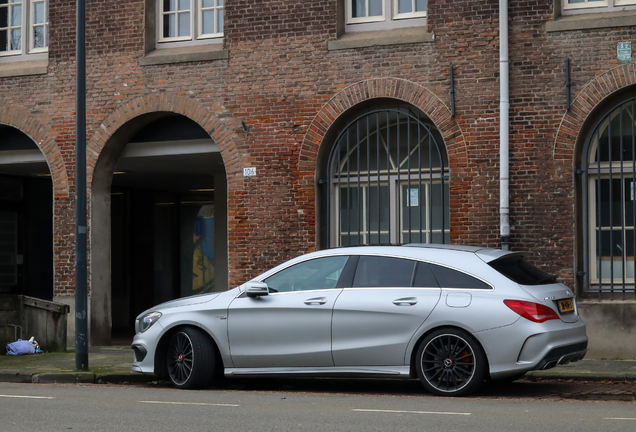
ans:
(566, 306)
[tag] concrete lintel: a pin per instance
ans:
(169, 148)
(185, 54)
(592, 21)
(400, 36)
(10, 157)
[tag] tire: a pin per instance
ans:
(190, 359)
(450, 362)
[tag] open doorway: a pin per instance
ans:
(26, 217)
(168, 220)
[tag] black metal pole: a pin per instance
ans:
(81, 292)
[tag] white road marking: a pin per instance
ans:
(27, 397)
(412, 412)
(188, 403)
(618, 418)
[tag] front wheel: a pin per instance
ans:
(190, 359)
(450, 362)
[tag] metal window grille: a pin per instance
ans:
(388, 174)
(609, 207)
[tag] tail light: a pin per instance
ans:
(535, 312)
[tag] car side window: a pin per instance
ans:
(315, 274)
(449, 278)
(424, 277)
(383, 272)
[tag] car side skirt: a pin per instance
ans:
(352, 371)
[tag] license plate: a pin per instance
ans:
(566, 306)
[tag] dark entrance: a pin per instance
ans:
(168, 220)
(26, 217)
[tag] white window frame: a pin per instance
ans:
(414, 14)
(216, 10)
(195, 10)
(33, 24)
(597, 6)
(367, 19)
(26, 27)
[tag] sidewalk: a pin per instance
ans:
(112, 364)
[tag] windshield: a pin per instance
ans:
(520, 271)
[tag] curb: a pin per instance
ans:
(13, 376)
(65, 378)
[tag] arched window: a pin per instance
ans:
(609, 208)
(388, 179)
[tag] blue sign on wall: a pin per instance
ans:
(624, 52)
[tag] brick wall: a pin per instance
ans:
(280, 76)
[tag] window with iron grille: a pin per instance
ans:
(609, 178)
(388, 180)
(24, 27)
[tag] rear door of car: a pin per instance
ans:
(374, 319)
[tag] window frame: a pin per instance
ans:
(408, 15)
(26, 28)
(389, 14)
(588, 6)
(350, 19)
(195, 10)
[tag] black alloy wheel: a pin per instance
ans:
(190, 359)
(450, 362)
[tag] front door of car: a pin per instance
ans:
(374, 320)
(291, 326)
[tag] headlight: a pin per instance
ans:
(148, 320)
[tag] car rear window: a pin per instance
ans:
(518, 270)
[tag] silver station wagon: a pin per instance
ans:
(453, 317)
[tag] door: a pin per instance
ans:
(374, 320)
(291, 326)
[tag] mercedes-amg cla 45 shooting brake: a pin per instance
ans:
(453, 317)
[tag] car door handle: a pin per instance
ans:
(408, 301)
(317, 300)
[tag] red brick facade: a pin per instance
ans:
(282, 80)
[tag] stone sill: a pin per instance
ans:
(381, 37)
(185, 54)
(24, 68)
(592, 21)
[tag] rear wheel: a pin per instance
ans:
(450, 362)
(190, 359)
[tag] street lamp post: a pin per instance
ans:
(81, 292)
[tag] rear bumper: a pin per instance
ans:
(563, 355)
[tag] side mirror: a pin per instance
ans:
(256, 289)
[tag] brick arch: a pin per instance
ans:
(584, 104)
(102, 151)
(21, 119)
(174, 103)
(393, 88)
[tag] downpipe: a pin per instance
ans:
(504, 107)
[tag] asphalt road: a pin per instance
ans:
(289, 407)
